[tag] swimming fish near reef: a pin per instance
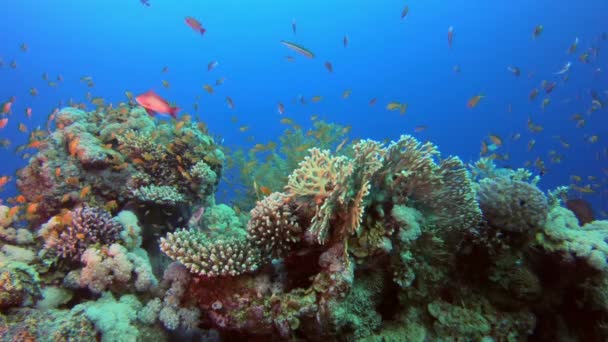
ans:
(153, 104)
(564, 70)
(195, 25)
(537, 31)
(573, 47)
(474, 101)
(450, 36)
(405, 11)
(299, 49)
(514, 70)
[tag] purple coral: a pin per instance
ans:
(90, 225)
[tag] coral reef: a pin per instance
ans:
(88, 226)
(108, 158)
(370, 242)
(512, 205)
(212, 257)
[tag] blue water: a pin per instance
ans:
(124, 45)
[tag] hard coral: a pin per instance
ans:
(274, 226)
(92, 155)
(89, 226)
(512, 205)
(19, 284)
(223, 256)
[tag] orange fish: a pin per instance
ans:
(6, 107)
(153, 104)
(474, 101)
(85, 191)
(32, 208)
(20, 199)
(28, 112)
(195, 25)
(12, 212)
(4, 180)
(533, 94)
(73, 146)
(3, 122)
(208, 88)
(496, 140)
(58, 172)
(35, 144)
(265, 190)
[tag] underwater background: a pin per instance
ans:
(520, 84)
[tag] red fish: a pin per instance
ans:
(195, 25)
(6, 107)
(153, 104)
(474, 101)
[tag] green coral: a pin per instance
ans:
(355, 316)
(211, 257)
(163, 194)
(113, 319)
(19, 284)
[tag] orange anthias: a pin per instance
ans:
(474, 101)
(153, 104)
(195, 25)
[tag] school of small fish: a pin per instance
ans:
(543, 97)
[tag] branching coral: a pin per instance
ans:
(274, 226)
(269, 164)
(444, 190)
(225, 256)
(88, 226)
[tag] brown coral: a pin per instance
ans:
(274, 226)
(222, 256)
